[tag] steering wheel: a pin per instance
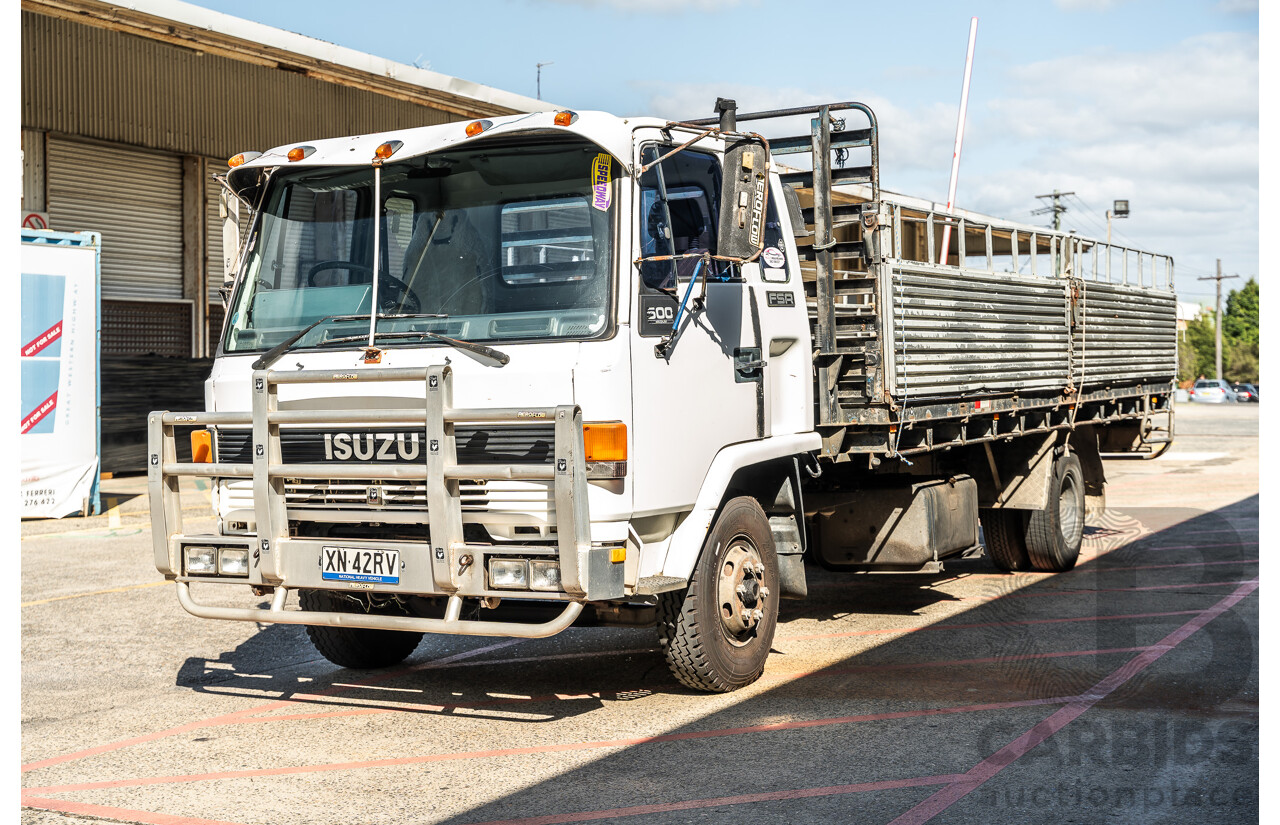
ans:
(401, 298)
(323, 265)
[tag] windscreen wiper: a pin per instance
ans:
(496, 357)
(272, 355)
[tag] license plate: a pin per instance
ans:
(350, 564)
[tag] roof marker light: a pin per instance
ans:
(242, 158)
(300, 152)
(475, 127)
(565, 118)
(387, 149)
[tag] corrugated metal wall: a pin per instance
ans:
(88, 81)
(970, 332)
(1128, 334)
(33, 167)
(958, 332)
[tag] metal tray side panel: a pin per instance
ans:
(966, 332)
(1127, 334)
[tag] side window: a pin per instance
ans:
(773, 260)
(679, 200)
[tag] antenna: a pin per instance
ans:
(540, 65)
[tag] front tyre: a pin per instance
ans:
(716, 633)
(354, 647)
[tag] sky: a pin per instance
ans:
(1153, 102)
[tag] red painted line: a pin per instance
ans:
(976, 625)
(1095, 590)
(537, 749)
(693, 804)
(40, 412)
(43, 340)
(998, 761)
(226, 718)
(85, 809)
(1135, 546)
(1180, 564)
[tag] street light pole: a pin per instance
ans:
(1120, 209)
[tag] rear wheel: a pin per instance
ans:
(1054, 534)
(351, 646)
(1005, 535)
(716, 633)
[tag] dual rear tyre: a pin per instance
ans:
(1046, 540)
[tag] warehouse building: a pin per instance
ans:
(128, 111)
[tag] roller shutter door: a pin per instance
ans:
(134, 198)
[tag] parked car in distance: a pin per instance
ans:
(1212, 391)
(1246, 392)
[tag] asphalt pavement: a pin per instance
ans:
(1125, 690)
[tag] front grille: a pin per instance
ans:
(520, 444)
(346, 494)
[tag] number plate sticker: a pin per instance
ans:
(350, 564)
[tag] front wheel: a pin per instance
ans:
(716, 633)
(354, 647)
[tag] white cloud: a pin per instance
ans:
(1175, 131)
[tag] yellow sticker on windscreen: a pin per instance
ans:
(601, 171)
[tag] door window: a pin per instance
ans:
(678, 215)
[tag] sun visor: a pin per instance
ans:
(247, 182)
(619, 154)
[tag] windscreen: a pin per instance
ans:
(482, 244)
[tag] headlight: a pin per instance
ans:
(508, 574)
(201, 561)
(233, 561)
(544, 575)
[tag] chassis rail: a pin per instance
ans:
(447, 565)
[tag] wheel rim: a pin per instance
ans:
(1070, 518)
(742, 591)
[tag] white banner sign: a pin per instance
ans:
(59, 429)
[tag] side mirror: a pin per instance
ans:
(742, 200)
(229, 212)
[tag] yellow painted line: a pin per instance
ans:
(94, 593)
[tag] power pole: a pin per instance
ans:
(1217, 318)
(1057, 209)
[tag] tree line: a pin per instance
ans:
(1239, 340)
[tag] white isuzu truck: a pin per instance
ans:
(498, 377)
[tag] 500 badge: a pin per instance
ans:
(657, 314)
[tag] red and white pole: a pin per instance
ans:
(955, 157)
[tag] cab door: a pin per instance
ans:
(689, 400)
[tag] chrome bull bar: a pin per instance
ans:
(447, 566)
